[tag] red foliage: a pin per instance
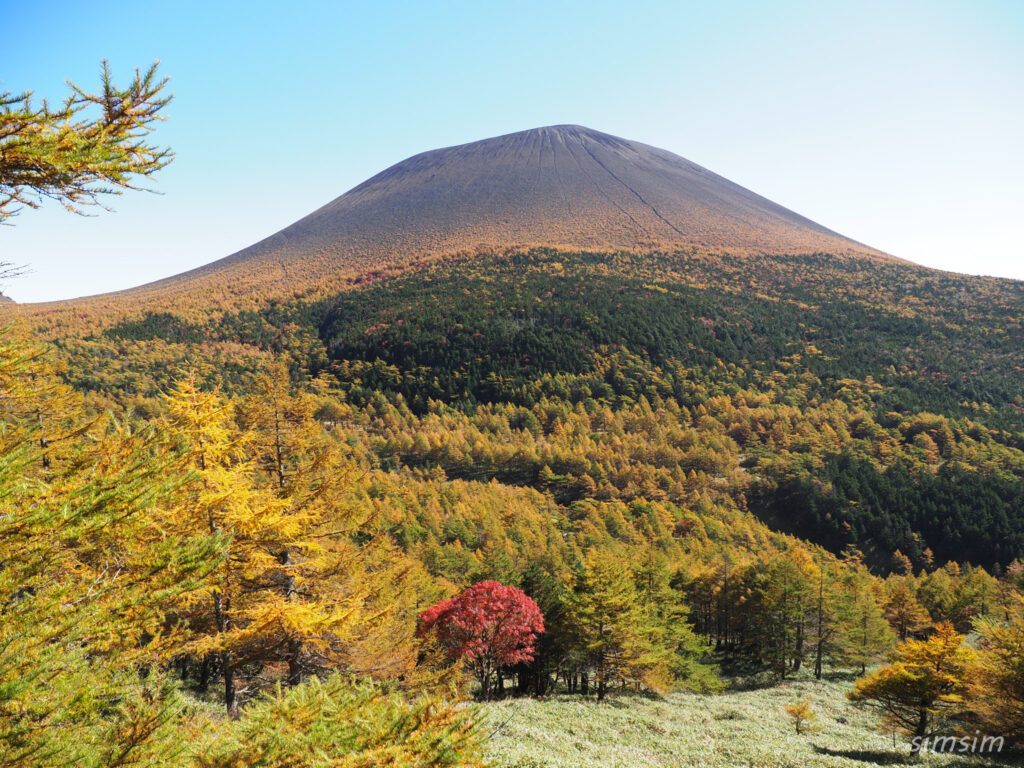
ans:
(683, 529)
(489, 624)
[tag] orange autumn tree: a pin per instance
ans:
(291, 459)
(87, 577)
(612, 630)
(345, 558)
(241, 616)
(100, 556)
(997, 685)
(925, 683)
(904, 613)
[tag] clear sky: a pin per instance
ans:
(897, 123)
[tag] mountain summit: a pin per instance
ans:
(562, 185)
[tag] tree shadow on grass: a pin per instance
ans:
(873, 756)
(880, 757)
(840, 676)
(626, 699)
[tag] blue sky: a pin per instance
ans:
(897, 123)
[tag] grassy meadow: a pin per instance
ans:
(747, 728)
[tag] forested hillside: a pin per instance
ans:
(670, 471)
(849, 401)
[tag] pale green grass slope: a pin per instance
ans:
(748, 729)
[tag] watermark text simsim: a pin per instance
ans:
(976, 744)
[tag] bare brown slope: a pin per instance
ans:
(563, 186)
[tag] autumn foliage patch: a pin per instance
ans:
(490, 625)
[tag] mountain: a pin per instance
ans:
(564, 185)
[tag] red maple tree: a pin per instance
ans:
(490, 625)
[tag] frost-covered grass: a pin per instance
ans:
(747, 729)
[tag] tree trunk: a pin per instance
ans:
(44, 444)
(278, 451)
(919, 732)
(819, 652)
(798, 651)
(230, 694)
(293, 645)
(294, 662)
(220, 612)
(484, 675)
(541, 684)
(205, 671)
